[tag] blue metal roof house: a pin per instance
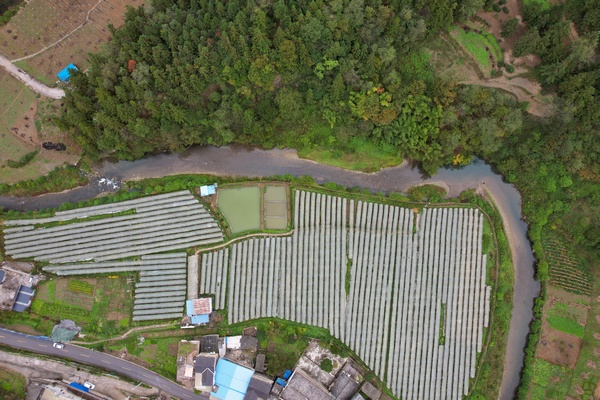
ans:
(199, 310)
(65, 74)
(231, 380)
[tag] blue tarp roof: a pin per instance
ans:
(79, 386)
(232, 380)
(200, 319)
(65, 74)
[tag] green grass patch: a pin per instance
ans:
(476, 44)
(566, 325)
(13, 385)
(542, 4)
(326, 365)
(359, 155)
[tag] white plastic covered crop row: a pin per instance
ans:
(417, 302)
(160, 225)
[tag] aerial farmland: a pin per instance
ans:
(406, 289)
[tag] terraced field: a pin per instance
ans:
(413, 303)
(159, 223)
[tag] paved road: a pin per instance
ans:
(31, 83)
(90, 357)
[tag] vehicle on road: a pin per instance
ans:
(89, 385)
(58, 345)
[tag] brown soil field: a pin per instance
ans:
(559, 348)
(68, 31)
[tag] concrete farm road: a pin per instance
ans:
(97, 359)
(30, 82)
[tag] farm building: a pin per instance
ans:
(65, 74)
(259, 388)
(300, 386)
(209, 344)
(16, 289)
(346, 383)
(231, 380)
(199, 310)
(208, 190)
(205, 367)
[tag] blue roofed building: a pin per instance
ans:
(231, 381)
(65, 74)
(199, 310)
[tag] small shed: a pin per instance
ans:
(208, 190)
(65, 74)
(199, 310)
(23, 298)
(79, 387)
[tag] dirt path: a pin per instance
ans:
(123, 336)
(31, 83)
(523, 89)
(37, 369)
(87, 19)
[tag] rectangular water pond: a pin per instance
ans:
(241, 208)
(275, 207)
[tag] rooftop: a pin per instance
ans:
(232, 380)
(201, 306)
(301, 387)
(209, 343)
(259, 388)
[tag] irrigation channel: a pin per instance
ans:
(251, 162)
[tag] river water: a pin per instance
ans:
(252, 162)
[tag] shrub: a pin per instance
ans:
(26, 159)
(496, 7)
(510, 27)
(327, 365)
(505, 10)
(509, 68)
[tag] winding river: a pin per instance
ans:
(251, 162)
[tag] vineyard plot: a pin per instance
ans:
(158, 223)
(406, 291)
(160, 293)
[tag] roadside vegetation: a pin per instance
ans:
(13, 385)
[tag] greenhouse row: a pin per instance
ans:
(213, 276)
(160, 223)
(301, 277)
(417, 300)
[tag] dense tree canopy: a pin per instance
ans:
(264, 72)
